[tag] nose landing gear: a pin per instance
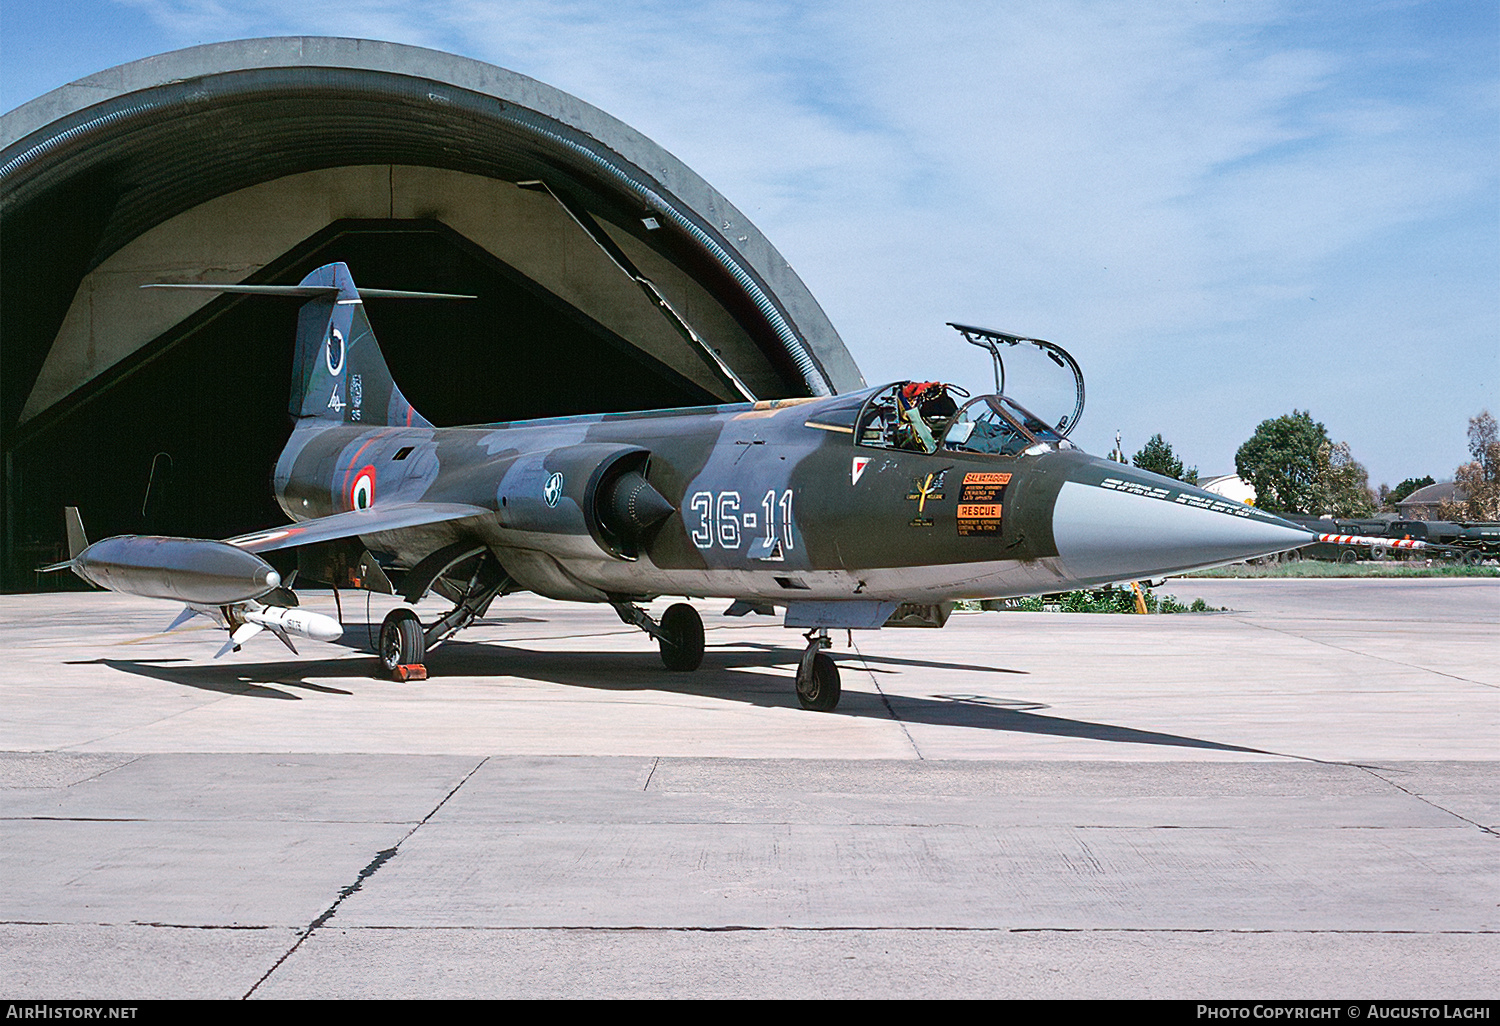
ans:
(817, 674)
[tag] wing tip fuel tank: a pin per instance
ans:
(192, 570)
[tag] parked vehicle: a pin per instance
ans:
(1461, 541)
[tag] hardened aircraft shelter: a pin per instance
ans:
(604, 268)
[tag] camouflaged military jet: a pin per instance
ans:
(873, 508)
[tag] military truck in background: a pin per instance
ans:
(1460, 541)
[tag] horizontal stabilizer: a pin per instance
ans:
(302, 291)
(356, 523)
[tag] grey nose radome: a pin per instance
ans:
(1116, 534)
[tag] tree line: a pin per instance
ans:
(1295, 467)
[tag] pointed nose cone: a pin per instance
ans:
(1111, 523)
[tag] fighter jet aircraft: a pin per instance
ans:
(847, 511)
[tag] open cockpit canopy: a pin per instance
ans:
(1048, 376)
(928, 416)
(925, 416)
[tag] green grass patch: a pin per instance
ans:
(1099, 600)
(1122, 600)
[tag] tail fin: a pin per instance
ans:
(338, 372)
(77, 540)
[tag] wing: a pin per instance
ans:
(357, 522)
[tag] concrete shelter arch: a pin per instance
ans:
(253, 160)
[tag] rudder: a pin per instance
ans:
(338, 371)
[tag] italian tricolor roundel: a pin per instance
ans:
(362, 491)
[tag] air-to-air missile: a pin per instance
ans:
(861, 510)
(280, 621)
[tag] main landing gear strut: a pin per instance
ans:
(404, 642)
(817, 673)
(679, 633)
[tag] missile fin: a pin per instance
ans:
(284, 639)
(243, 633)
(188, 612)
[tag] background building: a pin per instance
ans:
(1425, 503)
(1231, 486)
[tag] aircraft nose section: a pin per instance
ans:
(1113, 525)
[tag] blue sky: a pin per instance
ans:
(1225, 210)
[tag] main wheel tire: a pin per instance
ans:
(1348, 556)
(820, 690)
(402, 642)
(681, 638)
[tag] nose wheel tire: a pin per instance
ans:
(818, 684)
(402, 641)
(681, 638)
